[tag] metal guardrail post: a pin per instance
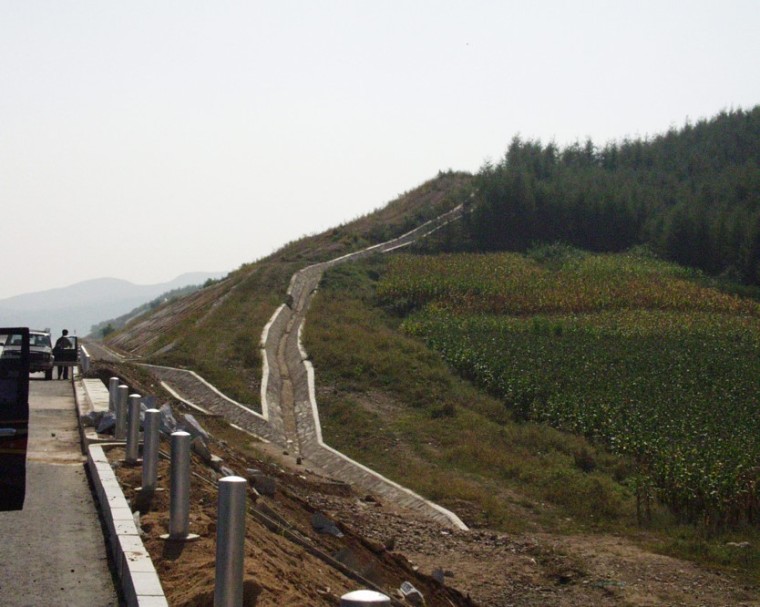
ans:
(230, 542)
(84, 358)
(150, 450)
(113, 385)
(179, 492)
(120, 431)
(364, 598)
(133, 429)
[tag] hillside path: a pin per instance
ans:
(289, 414)
(291, 385)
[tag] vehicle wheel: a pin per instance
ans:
(49, 374)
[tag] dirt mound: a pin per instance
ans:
(287, 561)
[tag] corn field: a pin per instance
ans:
(630, 351)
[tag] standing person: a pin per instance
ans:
(62, 343)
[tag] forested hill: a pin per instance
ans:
(692, 195)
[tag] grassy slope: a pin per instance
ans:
(216, 331)
(429, 429)
(418, 422)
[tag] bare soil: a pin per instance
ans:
(289, 564)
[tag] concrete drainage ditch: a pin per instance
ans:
(289, 418)
(290, 414)
(121, 486)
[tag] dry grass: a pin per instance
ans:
(444, 438)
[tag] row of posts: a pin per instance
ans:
(231, 504)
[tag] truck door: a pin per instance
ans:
(14, 416)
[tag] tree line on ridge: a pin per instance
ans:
(692, 195)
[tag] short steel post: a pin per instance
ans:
(179, 493)
(150, 450)
(121, 412)
(84, 357)
(364, 598)
(179, 496)
(230, 542)
(113, 385)
(133, 429)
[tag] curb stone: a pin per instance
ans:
(134, 567)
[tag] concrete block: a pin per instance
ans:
(111, 489)
(152, 601)
(138, 561)
(122, 513)
(411, 594)
(113, 494)
(105, 472)
(97, 393)
(133, 555)
(113, 516)
(139, 585)
(123, 527)
(97, 454)
(265, 485)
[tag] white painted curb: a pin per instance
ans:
(134, 567)
(391, 245)
(139, 580)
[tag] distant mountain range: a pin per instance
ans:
(80, 306)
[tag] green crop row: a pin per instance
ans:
(656, 367)
(506, 283)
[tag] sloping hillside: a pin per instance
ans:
(216, 331)
(392, 402)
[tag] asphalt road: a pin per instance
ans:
(53, 551)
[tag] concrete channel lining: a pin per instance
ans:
(207, 397)
(209, 386)
(301, 288)
(135, 569)
(303, 285)
(441, 514)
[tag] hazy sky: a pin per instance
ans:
(141, 140)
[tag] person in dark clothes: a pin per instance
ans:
(62, 343)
